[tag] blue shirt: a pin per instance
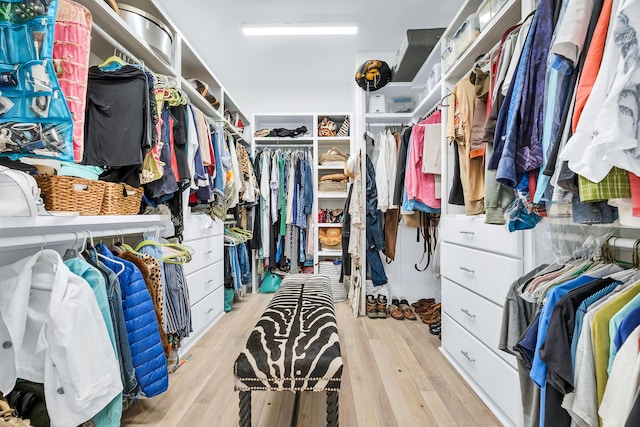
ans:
(628, 325)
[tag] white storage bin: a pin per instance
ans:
(377, 104)
(465, 35)
(485, 13)
(448, 57)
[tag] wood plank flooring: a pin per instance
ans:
(394, 376)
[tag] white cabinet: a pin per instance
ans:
(476, 275)
(205, 276)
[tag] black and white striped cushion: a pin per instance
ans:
(295, 344)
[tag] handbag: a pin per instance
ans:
(19, 194)
(270, 283)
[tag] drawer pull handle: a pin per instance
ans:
(465, 311)
(208, 252)
(208, 282)
(468, 270)
(468, 233)
(209, 311)
(469, 358)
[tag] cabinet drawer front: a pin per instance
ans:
(205, 253)
(497, 378)
(477, 315)
(203, 282)
(484, 273)
(207, 310)
(197, 226)
(474, 233)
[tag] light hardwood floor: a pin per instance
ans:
(394, 376)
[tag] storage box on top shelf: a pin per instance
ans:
(485, 13)
(465, 35)
(414, 50)
(149, 28)
(448, 57)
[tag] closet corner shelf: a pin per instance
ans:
(508, 16)
(329, 225)
(332, 195)
(330, 253)
(112, 28)
(322, 139)
(43, 225)
(284, 141)
(429, 102)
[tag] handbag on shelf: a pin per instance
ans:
(327, 128)
(333, 155)
(270, 283)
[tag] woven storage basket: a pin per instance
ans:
(332, 271)
(332, 186)
(333, 154)
(121, 199)
(70, 194)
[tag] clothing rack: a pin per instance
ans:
(50, 239)
(117, 45)
(623, 243)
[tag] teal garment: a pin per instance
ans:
(111, 415)
(80, 171)
(614, 324)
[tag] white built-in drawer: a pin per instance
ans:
(203, 282)
(197, 226)
(477, 315)
(206, 252)
(471, 231)
(493, 375)
(207, 310)
(486, 274)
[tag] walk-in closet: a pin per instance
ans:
(276, 213)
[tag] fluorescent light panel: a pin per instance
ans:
(299, 30)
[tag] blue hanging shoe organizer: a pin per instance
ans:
(34, 117)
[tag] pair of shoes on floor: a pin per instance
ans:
(434, 329)
(432, 316)
(400, 309)
(376, 307)
(423, 305)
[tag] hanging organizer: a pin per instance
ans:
(71, 52)
(34, 116)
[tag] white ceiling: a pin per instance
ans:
(252, 68)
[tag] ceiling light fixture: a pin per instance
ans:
(299, 30)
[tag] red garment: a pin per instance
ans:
(174, 161)
(592, 62)
(634, 182)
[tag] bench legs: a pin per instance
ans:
(332, 409)
(245, 409)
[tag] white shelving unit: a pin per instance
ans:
(322, 199)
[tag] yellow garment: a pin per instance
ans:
(600, 334)
(459, 123)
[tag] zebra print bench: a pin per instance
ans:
(294, 346)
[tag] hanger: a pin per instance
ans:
(112, 61)
(71, 252)
(174, 253)
(99, 255)
(441, 103)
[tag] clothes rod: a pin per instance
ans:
(114, 43)
(622, 243)
(47, 240)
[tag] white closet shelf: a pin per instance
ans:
(325, 139)
(469, 7)
(284, 141)
(330, 253)
(388, 117)
(112, 29)
(43, 225)
(330, 168)
(332, 195)
(508, 16)
(199, 101)
(329, 225)
(429, 102)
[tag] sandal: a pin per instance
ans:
(434, 329)
(423, 302)
(372, 307)
(406, 310)
(395, 311)
(433, 316)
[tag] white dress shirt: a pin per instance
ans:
(52, 332)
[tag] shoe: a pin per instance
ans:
(262, 133)
(382, 306)
(372, 307)
(434, 329)
(406, 310)
(394, 310)
(423, 302)
(422, 309)
(433, 316)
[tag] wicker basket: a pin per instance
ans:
(70, 194)
(332, 186)
(121, 199)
